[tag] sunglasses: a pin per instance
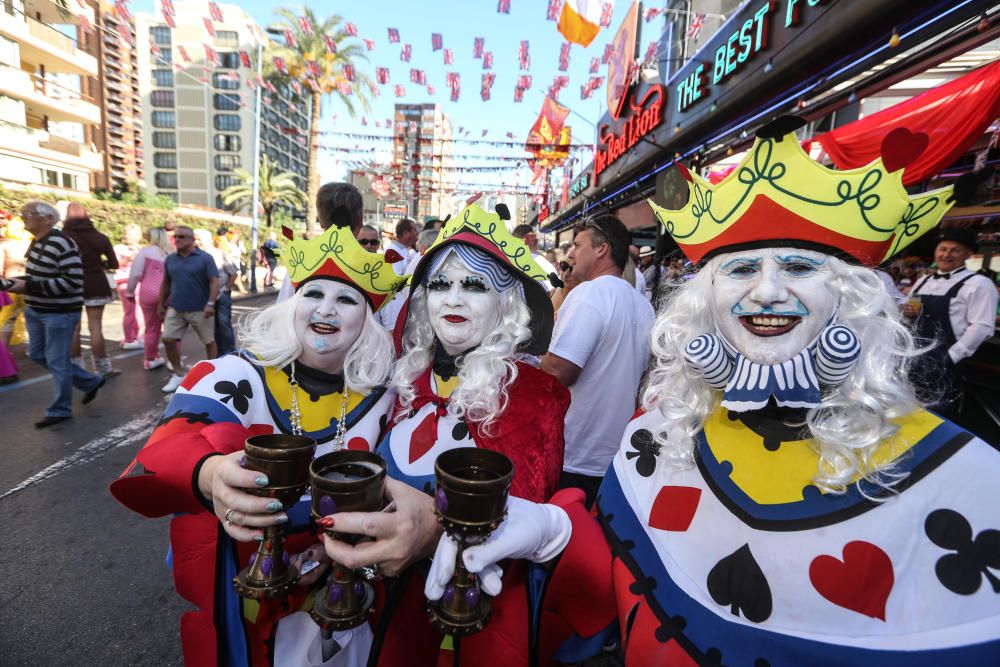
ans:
(371, 242)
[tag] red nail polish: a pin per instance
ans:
(325, 522)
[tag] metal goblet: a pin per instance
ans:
(345, 481)
(470, 502)
(285, 460)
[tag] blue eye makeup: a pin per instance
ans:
(741, 268)
(439, 283)
(798, 265)
(474, 284)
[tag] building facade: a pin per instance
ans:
(421, 158)
(120, 136)
(198, 115)
(49, 97)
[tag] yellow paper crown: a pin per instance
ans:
(336, 254)
(487, 231)
(777, 195)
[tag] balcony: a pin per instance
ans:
(46, 99)
(42, 44)
(37, 144)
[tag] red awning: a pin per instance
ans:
(952, 116)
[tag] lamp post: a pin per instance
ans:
(256, 170)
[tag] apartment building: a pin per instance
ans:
(198, 116)
(421, 156)
(49, 96)
(119, 137)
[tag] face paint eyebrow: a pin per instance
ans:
(790, 259)
(742, 261)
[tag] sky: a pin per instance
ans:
(459, 22)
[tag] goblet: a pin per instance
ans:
(345, 481)
(470, 502)
(285, 460)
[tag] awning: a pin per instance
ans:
(951, 116)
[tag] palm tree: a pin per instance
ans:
(276, 188)
(320, 73)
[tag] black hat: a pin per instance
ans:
(966, 237)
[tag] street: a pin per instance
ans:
(84, 579)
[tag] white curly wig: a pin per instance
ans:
(853, 418)
(484, 374)
(270, 338)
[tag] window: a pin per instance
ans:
(163, 77)
(160, 34)
(165, 160)
(227, 142)
(69, 181)
(227, 162)
(229, 59)
(162, 98)
(227, 38)
(226, 102)
(164, 140)
(226, 80)
(166, 119)
(169, 195)
(227, 122)
(166, 180)
(283, 160)
(166, 57)
(224, 182)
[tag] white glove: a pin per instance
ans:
(534, 531)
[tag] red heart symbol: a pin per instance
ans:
(861, 582)
(358, 444)
(200, 370)
(900, 148)
(674, 508)
(424, 437)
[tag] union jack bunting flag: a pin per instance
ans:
(523, 55)
(279, 64)
(215, 12)
(331, 46)
(370, 44)
(211, 56)
(350, 30)
(564, 57)
(503, 7)
(594, 64)
(609, 52)
(651, 14)
(430, 89)
(305, 25)
(382, 75)
(404, 54)
(607, 11)
(348, 71)
(484, 92)
(437, 41)
(393, 36)
(488, 60)
(477, 47)
(209, 27)
(524, 82)
(555, 7)
(290, 40)
(449, 59)
(697, 23)
(184, 54)
(399, 90)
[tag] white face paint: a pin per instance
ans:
(462, 306)
(771, 303)
(329, 316)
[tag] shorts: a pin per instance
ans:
(177, 322)
(97, 301)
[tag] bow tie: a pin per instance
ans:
(942, 276)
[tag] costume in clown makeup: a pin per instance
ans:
(292, 377)
(783, 499)
(476, 306)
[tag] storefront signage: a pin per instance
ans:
(581, 183)
(643, 116)
(737, 48)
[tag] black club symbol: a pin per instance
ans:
(962, 572)
(240, 394)
(646, 449)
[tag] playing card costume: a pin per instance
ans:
(782, 499)
(477, 273)
(222, 402)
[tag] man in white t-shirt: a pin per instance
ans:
(599, 350)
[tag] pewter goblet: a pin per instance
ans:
(470, 502)
(345, 481)
(285, 460)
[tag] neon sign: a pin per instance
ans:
(646, 116)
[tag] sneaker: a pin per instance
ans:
(151, 364)
(132, 345)
(175, 381)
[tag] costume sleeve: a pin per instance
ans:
(580, 587)
(196, 424)
(578, 330)
(136, 271)
(981, 313)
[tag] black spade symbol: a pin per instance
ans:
(460, 430)
(240, 394)
(737, 581)
(962, 572)
(646, 450)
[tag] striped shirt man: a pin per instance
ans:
(54, 282)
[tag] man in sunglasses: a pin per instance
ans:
(369, 238)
